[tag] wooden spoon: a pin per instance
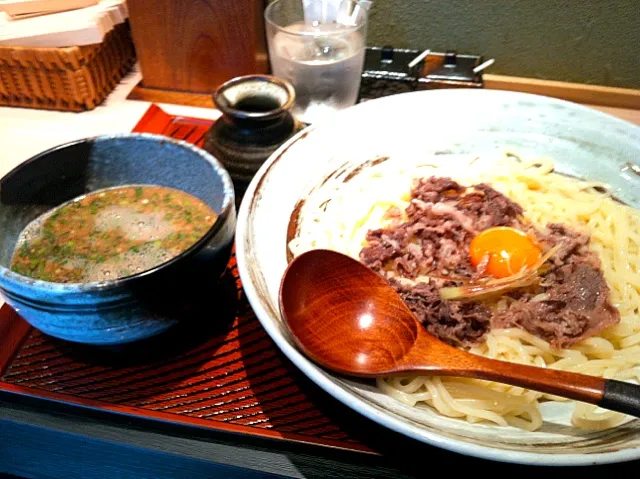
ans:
(348, 319)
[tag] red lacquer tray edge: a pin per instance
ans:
(13, 332)
(170, 418)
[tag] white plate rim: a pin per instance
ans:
(353, 401)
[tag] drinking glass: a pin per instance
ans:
(318, 46)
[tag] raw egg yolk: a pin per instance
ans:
(508, 250)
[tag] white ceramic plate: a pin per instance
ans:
(584, 143)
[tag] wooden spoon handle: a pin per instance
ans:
(589, 389)
(608, 393)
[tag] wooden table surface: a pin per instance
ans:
(60, 441)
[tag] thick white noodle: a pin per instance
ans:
(338, 216)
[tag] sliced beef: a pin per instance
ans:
(573, 244)
(385, 245)
(442, 219)
(432, 238)
(455, 322)
(435, 189)
(489, 208)
(577, 304)
(577, 307)
(547, 320)
(423, 245)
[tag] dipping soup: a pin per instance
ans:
(110, 234)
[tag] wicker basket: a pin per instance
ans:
(68, 79)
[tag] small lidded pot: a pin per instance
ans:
(256, 120)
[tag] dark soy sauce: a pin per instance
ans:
(257, 104)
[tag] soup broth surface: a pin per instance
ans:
(110, 234)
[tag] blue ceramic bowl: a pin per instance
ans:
(139, 306)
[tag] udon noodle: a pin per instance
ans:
(338, 215)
